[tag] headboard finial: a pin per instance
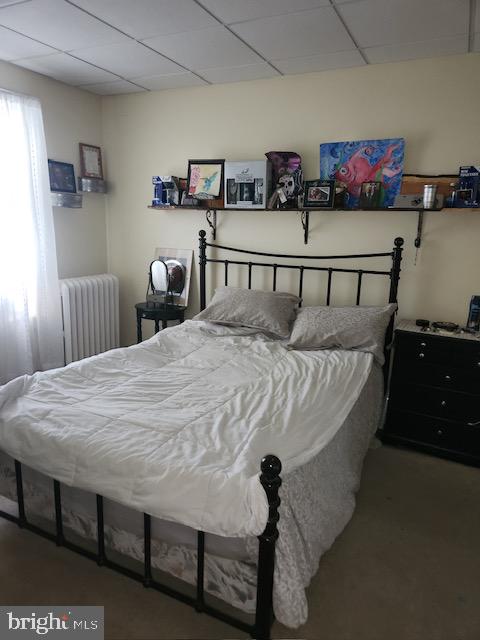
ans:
(202, 233)
(399, 242)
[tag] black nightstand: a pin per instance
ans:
(159, 313)
(434, 399)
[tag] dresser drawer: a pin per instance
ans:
(438, 350)
(439, 433)
(446, 376)
(461, 407)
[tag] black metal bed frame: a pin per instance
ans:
(270, 465)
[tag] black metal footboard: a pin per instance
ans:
(271, 482)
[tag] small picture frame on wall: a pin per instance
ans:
(62, 177)
(319, 194)
(90, 161)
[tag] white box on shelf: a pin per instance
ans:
(247, 184)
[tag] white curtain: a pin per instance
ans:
(30, 313)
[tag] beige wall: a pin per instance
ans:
(70, 116)
(434, 104)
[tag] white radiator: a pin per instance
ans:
(90, 315)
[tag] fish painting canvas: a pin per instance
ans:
(356, 162)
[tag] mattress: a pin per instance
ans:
(177, 425)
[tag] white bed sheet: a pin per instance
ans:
(177, 425)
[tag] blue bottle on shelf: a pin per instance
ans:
(473, 321)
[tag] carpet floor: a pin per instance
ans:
(407, 567)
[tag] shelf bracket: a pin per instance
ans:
(305, 219)
(418, 239)
(211, 216)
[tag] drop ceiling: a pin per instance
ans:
(111, 47)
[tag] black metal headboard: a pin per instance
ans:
(393, 273)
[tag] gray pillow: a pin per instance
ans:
(360, 328)
(269, 311)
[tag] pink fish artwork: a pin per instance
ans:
(364, 161)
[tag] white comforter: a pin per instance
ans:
(176, 426)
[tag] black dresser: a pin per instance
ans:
(434, 398)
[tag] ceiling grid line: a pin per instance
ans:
(227, 27)
(472, 15)
(134, 40)
(348, 30)
(66, 52)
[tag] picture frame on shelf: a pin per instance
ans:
(205, 181)
(319, 194)
(90, 161)
(62, 177)
(371, 194)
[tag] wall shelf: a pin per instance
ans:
(211, 215)
(66, 200)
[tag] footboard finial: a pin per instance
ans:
(270, 479)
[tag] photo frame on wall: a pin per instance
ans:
(90, 161)
(319, 193)
(205, 181)
(62, 177)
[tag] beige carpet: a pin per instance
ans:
(407, 567)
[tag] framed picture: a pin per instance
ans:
(205, 179)
(371, 195)
(354, 162)
(319, 193)
(90, 161)
(174, 258)
(62, 177)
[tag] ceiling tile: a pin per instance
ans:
(296, 34)
(230, 11)
(390, 22)
(113, 88)
(171, 81)
(63, 67)
(412, 50)
(58, 24)
(204, 48)
(14, 46)
(7, 3)
(320, 62)
(146, 18)
(128, 59)
(237, 74)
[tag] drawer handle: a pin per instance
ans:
(440, 432)
(422, 355)
(448, 378)
(474, 424)
(423, 344)
(443, 403)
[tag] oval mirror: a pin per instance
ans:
(159, 276)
